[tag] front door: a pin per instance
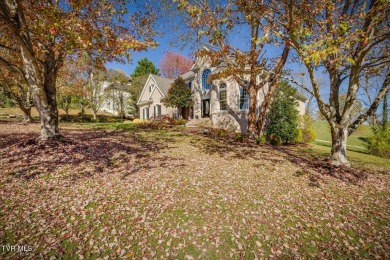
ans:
(206, 108)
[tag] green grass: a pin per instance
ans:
(357, 159)
(355, 141)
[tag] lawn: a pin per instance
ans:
(117, 191)
(355, 141)
(34, 113)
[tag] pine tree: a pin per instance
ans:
(145, 67)
(139, 76)
(283, 116)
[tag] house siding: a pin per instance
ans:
(154, 99)
(233, 118)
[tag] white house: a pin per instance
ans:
(114, 96)
(149, 102)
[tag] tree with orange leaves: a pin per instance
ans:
(46, 33)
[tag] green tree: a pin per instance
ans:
(144, 67)
(283, 116)
(139, 76)
(307, 128)
(179, 96)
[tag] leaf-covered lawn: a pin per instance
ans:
(174, 194)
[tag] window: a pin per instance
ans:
(244, 99)
(157, 111)
(146, 113)
(222, 97)
(151, 88)
(205, 74)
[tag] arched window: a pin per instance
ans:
(222, 97)
(205, 74)
(244, 99)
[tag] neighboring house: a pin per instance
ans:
(115, 95)
(149, 102)
(223, 101)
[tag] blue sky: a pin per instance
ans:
(153, 55)
(238, 38)
(165, 24)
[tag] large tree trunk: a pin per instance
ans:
(48, 110)
(338, 154)
(264, 108)
(252, 112)
(41, 80)
(44, 95)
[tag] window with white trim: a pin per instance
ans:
(244, 99)
(222, 97)
(157, 111)
(146, 113)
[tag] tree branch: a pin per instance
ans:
(382, 92)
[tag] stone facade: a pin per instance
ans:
(233, 115)
(225, 108)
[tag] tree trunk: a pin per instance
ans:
(338, 154)
(252, 112)
(66, 109)
(48, 110)
(27, 113)
(385, 107)
(265, 105)
(43, 91)
(94, 112)
(185, 112)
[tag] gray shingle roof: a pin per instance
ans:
(187, 75)
(163, 83)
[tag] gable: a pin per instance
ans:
(156, 95)
(155, 87)
(145, 94)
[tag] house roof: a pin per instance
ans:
(163, 83)
(187, 75)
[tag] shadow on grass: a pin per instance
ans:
(82, 154)
(316, 167)
(311, 166)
